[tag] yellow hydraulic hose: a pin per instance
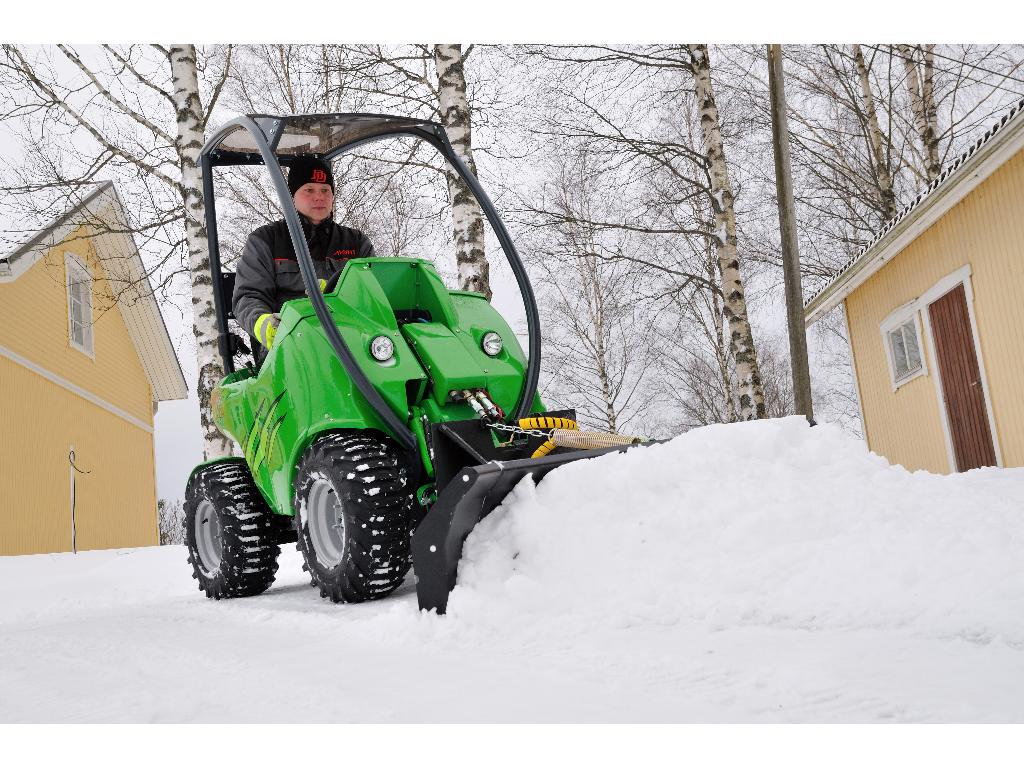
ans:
(544, 450)
(546, 422)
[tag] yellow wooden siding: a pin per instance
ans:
(986, 231)
(41, 420)
(116, 500)
(34, 324)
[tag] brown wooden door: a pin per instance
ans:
(960, 376)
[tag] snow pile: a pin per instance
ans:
(767, 523)
(673, 583)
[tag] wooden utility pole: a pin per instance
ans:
(787, 228)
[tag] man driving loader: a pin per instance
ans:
(370, 460)
(268, 272)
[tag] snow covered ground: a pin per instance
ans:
(764, 572)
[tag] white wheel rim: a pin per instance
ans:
(209, 541)
(326, 521)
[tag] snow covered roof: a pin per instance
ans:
(126, 275)
(1000, 142)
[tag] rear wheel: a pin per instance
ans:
(352, 513)
(230, 532)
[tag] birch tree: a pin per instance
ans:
(654, 112)
(696, 364)
(873, 125)
(748, 377)
(859, 156)
(921, 88)
(135, 115)
(467, 219)
(849, 161)
(880, 158)
(853, 171)
(600, 339)
(190, 121)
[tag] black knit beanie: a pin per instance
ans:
(309, 170)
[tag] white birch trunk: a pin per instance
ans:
(930, 137)
(720, 340)
(922, 104)
(592, 270)
(882, 176)
(741, 337)
(721, 346)
(189, 143)
(467, 219)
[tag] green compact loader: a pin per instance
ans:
(390, 414)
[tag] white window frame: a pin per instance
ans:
(74, 268)
(898, 318)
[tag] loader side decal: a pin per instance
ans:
(272, 440)
(249, 445)
(267, 436)
(263, 424)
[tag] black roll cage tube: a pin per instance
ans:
(435, 136)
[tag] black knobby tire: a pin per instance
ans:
(239, 560)
(357, 549)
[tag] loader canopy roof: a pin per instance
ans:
(319, 135)
(275, 141)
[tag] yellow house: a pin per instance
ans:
(934, 307)
(84, 359)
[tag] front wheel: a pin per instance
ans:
(230, 532)
(352, 515)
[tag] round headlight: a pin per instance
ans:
(491, 343)
(382, 348)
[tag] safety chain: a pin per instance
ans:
(520, 431)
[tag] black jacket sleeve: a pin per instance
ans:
(365, 248)
(255, 291)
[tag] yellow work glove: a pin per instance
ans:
(323, 284)
(266, 328)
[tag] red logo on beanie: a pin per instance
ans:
(319, 177)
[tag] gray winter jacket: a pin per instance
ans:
(268, 272)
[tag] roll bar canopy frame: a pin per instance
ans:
(266, 132)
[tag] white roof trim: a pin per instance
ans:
(60, 381)
(126, 274)
(987, 155)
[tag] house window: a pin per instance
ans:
(79, 304)
(905, 349)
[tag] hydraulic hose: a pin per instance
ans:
(565, 434)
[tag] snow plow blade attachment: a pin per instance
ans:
(468, 498)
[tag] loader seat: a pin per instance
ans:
(227, 288)
(237, 344)
(404, 316)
